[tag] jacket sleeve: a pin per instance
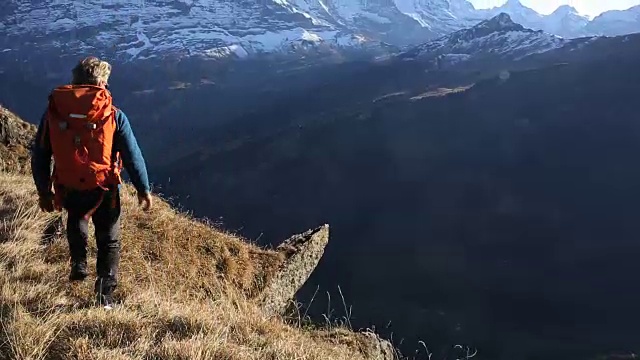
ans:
(125, 142)
(41, 159)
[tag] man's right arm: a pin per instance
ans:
(41, 159)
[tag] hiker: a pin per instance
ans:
(90, 141)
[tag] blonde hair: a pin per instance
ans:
(91, 71)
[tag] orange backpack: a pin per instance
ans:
(82, 122)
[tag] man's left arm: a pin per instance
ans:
(125, 142)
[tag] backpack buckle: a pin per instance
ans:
(63, 125)
(77, 140)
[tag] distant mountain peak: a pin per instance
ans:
(513, 3)
(521, 13)
(567, 22)
(565, 10)
(616, 22)
(500, 22)
(517, 5)
(498, 37)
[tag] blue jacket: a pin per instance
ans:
(124, 142)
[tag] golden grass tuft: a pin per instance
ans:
(186, 289)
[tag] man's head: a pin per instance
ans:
(91, 71)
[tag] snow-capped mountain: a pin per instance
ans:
(139, 29)
(435, 16)
(498, 37)
(519, 13)
(616, 22)
(566, 22)
(440, 16)
(146, 28)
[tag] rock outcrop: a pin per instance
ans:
(301, 256)
(368, 343)
(377, 348)
(16, 137)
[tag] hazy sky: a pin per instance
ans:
(587, 7)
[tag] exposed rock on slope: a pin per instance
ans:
(377, 348)
(302, 254)
(15, 142)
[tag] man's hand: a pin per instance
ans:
(144, 199)
(46, 202)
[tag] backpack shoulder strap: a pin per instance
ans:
(45, 132)
(116, 112)
(45, 122)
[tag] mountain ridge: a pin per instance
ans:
(129, 29)
(499, 36)
(616, 22)
(567, 22)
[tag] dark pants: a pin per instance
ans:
(106, 220)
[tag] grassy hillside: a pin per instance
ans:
(186, 289)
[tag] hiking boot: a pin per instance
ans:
(105, 300)
(104, 293)
(78, 271)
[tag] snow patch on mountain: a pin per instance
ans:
(226, 51)
(302, 7)
(454, 59)
(352, 10)
(64, 23)
(441, 16)
(411, 9)
(146, 44)
(269, 41)
(143, 42)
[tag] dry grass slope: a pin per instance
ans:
(187, 291)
